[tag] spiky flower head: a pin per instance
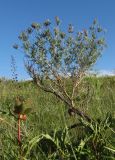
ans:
(15, 46)
(47, 23)
(57, 20)
(35, 25)
(70, 28)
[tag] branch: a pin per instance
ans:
(58, 82)
(72, 111)
(76, 83)
(38, 82)
(55, 92)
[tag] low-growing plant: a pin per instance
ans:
(94, 145)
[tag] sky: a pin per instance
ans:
(17, 15)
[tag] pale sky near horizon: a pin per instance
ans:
(16, 15)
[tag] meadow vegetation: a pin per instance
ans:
(49, 131)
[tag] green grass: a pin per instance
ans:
(49, 113)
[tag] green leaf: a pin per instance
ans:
(110, 149)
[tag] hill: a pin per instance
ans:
(96, 98)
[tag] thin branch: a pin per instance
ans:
(77, 82)
(38, 83)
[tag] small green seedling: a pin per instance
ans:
(20, 110)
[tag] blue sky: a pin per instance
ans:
(16, 15)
